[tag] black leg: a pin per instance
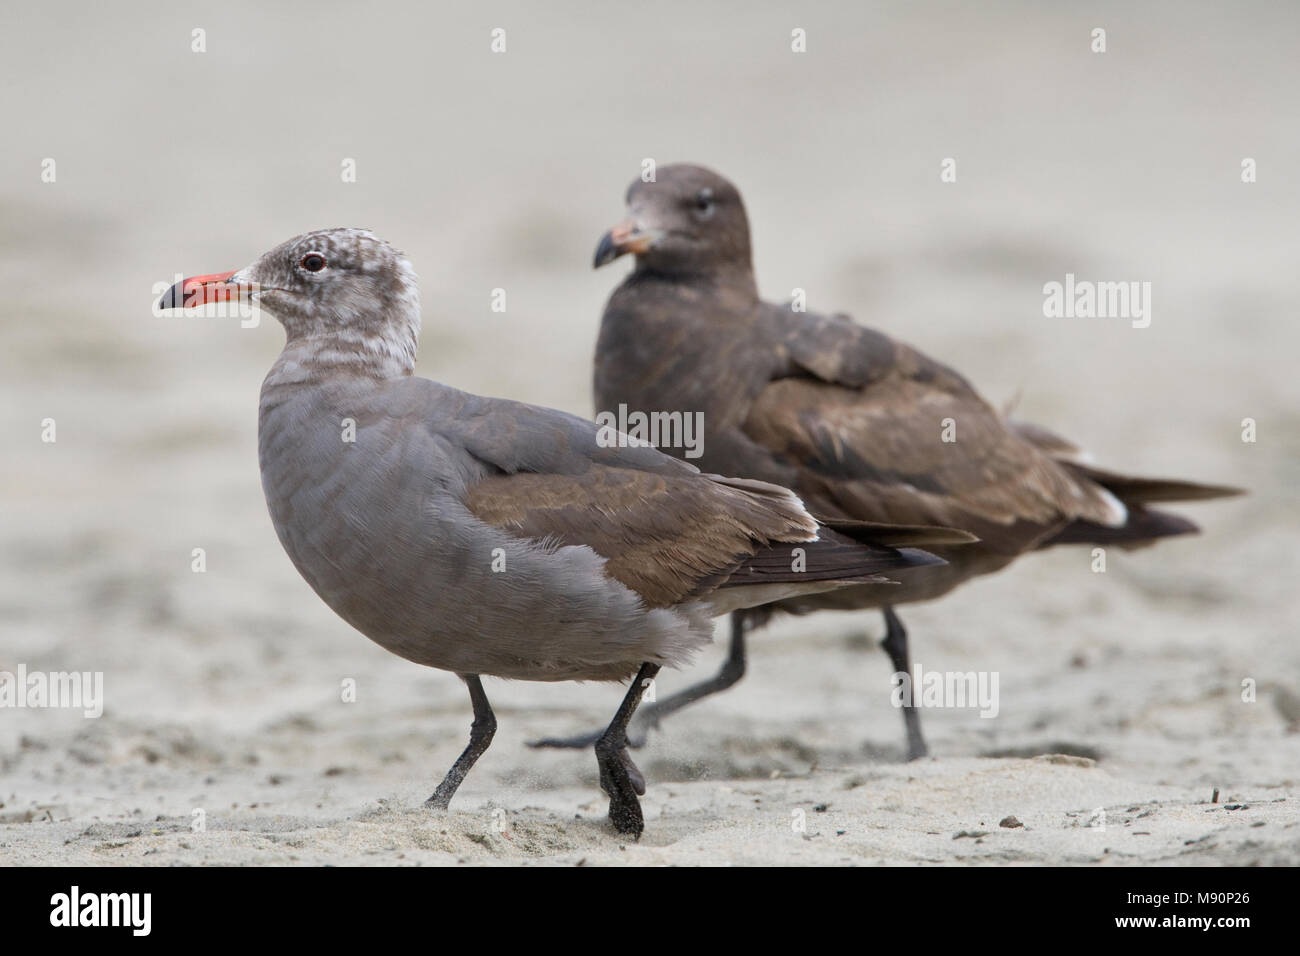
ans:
(732, 671)
(480, 735)
(895, 645)
(619, 776)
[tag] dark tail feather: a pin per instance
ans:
(833, 557)
(897, 535)
(1133, 490)
(1127, 488)
(1144, 527)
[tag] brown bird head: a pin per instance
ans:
(346, 287)
(688, 221)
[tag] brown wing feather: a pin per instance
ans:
(667, 537)
(877, 452)
(673, 538)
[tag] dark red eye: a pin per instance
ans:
(313, 262)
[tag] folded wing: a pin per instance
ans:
(881, 432)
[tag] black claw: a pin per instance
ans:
(626, 817)
(623, 782)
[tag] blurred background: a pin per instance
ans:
(502, 170)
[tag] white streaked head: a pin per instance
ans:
(344, 290)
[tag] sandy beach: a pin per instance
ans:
(1127, 698)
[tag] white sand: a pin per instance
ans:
(223, 688)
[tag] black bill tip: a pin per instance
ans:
(606, 251)
(173, 298)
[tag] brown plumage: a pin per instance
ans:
(851, 420)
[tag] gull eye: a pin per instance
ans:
(312, 262)
(704, 204)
